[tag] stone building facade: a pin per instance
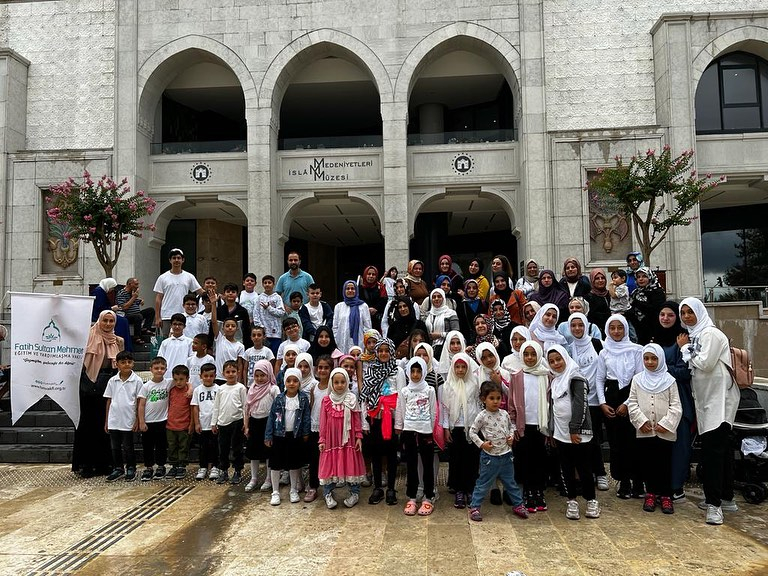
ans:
(107, 85)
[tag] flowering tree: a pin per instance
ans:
(102, 213)
(641, 189)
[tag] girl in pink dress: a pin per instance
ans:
(340, 444)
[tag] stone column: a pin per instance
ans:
(394, 225)
(538, 239)
(13, 137)
(264, 220)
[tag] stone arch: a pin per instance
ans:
(314, 45)
(753, 39)
(175, 56)
(291, 206)
(465, 35)
(485, 191)
(168, 207)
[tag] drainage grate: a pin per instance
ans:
(79, 554)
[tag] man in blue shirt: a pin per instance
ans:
(295, 280)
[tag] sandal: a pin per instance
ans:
(410, 508)
(426, 508)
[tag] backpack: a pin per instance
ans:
(741, 373)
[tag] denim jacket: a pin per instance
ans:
(276, 421)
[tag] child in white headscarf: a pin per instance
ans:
(655, 411)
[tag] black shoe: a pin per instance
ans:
(625, 490)
(87, 473)
(116, 473)
(530, 502)
(146, 476)
(638, 490)
(376, 496)
(159, 473)
(236, 478)
(496, 497)
(391, 497)
(541, 504)
(223, 478)
(507, 498)
(171, 473)
(130, 475)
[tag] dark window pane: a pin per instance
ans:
(764, 91)
(708, 102)
(737, 58)
(739, 86)
(741, 118)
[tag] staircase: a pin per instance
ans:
(44, 434)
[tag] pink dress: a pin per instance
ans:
(339, 462)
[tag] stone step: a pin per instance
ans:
(36, 435)
(36, 453)
(50, 418)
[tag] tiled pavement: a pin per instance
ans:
(49, 519)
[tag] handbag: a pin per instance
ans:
(438, 433)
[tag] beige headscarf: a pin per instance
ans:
(101, 345)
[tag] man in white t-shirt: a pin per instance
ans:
(170, 289)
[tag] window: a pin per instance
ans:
(732, 95)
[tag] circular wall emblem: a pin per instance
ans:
(200, 173)
(463, 164)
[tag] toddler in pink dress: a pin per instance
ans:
(341, 433)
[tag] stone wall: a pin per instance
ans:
(746, 324)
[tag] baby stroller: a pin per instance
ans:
(749, 439)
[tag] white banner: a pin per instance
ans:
(48, 337)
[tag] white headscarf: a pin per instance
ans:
(659, 380)
(107, 284)
(345, 401)
(292, 372)
(540, 371)
(485, 373)
(418, 385)
(437, 315)
(458, 393)
(446, 357)
(514, 361)
(548, 336)
(582, 350)
(430, 355)
(702, 318)
(624, 351)
(309, 381)
(561, 381)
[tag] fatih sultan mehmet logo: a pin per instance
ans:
(51, 333)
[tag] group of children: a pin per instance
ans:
(340, 415)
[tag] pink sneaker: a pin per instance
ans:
(521, 511)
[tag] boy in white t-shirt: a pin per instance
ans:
(196, 323)
(269, 312)
(121, 393)
(152, 413)
(177, 347)
(199, 357)
(249, 298)
(292, 330)
(227, 348)
(203, 399)
(255, 353)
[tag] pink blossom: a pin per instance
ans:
(152, 227)
(87, 217)
(140, 192)
(92, 230)
(114, 216)
(132, 206)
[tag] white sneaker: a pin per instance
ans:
(275, 500)
(602, 483)
(294, 497)
(725, 505)
(593, 509)
(330, 502)
(351, 500)
(367, 482)
(251, 486)
(214, 473)
(285, 478)
(267, 486)
(572, 510)
(714, 515)
(200, 474)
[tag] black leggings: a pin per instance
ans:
(463, 461)
(380, 448)
(717, 464)
(621, 436)
(416, 445)
(531, 460)
(576, 458)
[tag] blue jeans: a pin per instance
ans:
(491, 468)
(328, 488)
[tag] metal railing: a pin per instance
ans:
(737, 294)
(322, 142)
(198, 147)
(463, 137)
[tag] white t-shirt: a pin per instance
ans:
(175, 351)
(174, 287)
(124, 395)
(194, 363)
(197, 324)
(291, 407)
(229, 404)
(249, 300)
(204, 397)
(156, 396)
(252, 355)
(301, 343)
(226, 350)
(315, 314)
(317, 401)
